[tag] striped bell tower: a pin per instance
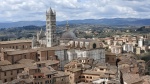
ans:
(50, 28)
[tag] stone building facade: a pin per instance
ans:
(39, 54)
(10, 72)
(43, 72)
(86, 70)
(110, 58)
(16, 44)
(85, 48)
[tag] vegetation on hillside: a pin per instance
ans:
(99, 31)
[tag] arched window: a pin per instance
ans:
(94, 45)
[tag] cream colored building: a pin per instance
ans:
(128, 47)
(116, 49)
(85, 48)
(138, 50)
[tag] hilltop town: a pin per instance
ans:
(76, 55)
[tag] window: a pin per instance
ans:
(47, 27)
(54, 80)
(70, 77)
(17, 71)
(22, 46)
(39, 65)
(11, 72)
(11, 79)
(4, 73)
(101, 69)
(47, 81)
(38, 70)
(114, 59)
(49, 76)
(25, 57)
(47, 17)
(5, 80)
(94, 45)
(107, 58)
(16, 47)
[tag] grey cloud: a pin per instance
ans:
(20, 10)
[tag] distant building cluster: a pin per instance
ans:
(49, 59)
(128, 44)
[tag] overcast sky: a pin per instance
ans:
(30, 10)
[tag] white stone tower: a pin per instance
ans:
(140, 42)
(50, 28)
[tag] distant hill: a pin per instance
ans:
(113, 22)
(21, 24)
(144, 29)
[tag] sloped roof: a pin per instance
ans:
(4, 62)
(15, 41)
(11, 67)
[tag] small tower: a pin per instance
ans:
(140, 42)
(67, 26)
(50, 28)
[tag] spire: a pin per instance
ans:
(41, 30)
(50, 10)
(54, 12)
(33, 38)
(67, 26)
(33, 41)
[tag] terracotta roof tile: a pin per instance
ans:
(11, 67)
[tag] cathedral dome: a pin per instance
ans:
(68, 35)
